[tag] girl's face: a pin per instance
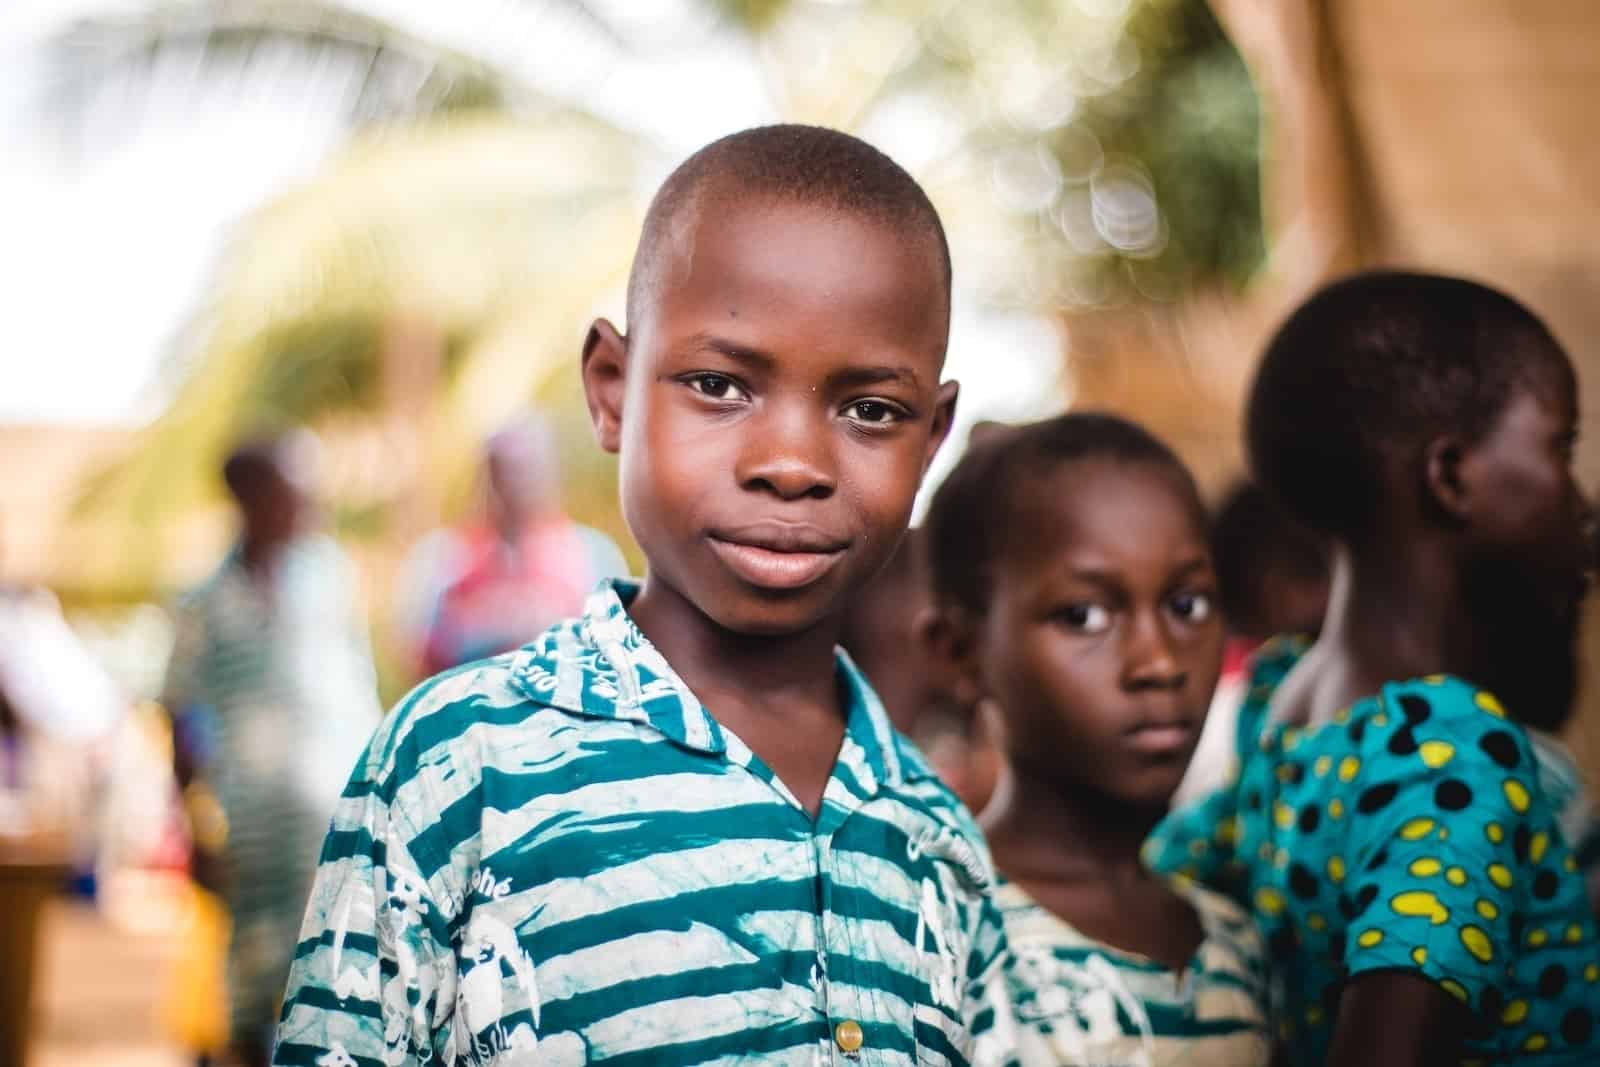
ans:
(1102, 643)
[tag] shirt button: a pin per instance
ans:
(849, 1036)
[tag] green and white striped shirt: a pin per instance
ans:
(1082, 1003)
(557, 856)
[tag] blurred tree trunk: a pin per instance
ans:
(1440, 135)
(1183, 368)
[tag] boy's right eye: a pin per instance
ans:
(716, 386)
(1085, 617)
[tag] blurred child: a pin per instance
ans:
(681, 829)
(1272, 571)
(1389, 827)
(272, 688)
(495, 582)
(1272, 576)
(1077, 592)
(884, 633)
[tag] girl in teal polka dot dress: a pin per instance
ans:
(1387, 826)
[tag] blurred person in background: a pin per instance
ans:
(495, 583)
(56, 704)
(273, 693)
(1272, 576)
(886, 634)
(1389, 825)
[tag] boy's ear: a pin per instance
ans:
(605, 375)
(944, 416)
(1447, 476)
(949, 640)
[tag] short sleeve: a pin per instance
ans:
(1197, 842)
(374, 975)
(1451, 832)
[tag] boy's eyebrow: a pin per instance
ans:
(873, 375)
(750, 357)
(759, 360)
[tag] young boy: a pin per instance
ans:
(681, 829)
(1390, 826)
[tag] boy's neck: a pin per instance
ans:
(1393, 613)
(724, 668)
(1044, 829)
(259, 555)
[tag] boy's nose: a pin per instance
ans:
(789, 455)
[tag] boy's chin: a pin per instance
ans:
(777, 615)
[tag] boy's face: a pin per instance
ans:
(277, 508)
(1530, 552)
(1102, 643)
(775, 407)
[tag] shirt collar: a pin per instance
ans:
(602, 666)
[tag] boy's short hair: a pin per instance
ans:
(251, 465)
(809, 165)
(975, 505)
(1377, 364)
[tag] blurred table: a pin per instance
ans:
(30, 874)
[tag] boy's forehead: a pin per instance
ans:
(757, 249)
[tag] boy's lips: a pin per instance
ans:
(777, 555)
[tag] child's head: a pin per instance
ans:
(880, 633)
(1394, 410)
(1075, 584)
(522, 474)
(270, 479)
(776, 399)
(1273, 572)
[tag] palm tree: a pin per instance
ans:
(303, 320)
(390, 298)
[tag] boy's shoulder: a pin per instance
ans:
(456, 717)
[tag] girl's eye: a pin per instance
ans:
(1087, 618)
(875, 412)
(1191, 607)
(716, 386)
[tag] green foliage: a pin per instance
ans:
(753, 15)
(313, 369)
(1193, 119)
(1129, 141)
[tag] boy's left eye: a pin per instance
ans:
(876, 412)
(1191, 607)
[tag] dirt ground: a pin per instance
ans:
(99, 987)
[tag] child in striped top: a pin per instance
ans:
(1077, 593)
(680, 829)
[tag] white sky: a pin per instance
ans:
(104, 259)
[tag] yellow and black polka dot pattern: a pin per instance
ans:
(1410, 833)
